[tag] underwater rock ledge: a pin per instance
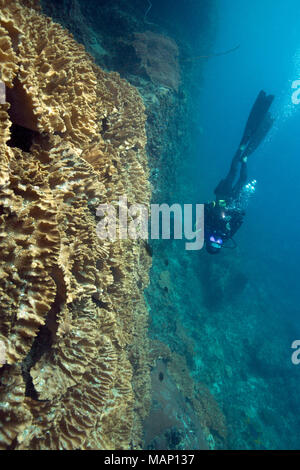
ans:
(73, 319)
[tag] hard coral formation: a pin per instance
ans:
(159, 58)
(73, 316)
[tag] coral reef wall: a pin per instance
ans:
(72, 315)
(153, 53)
(214, 329)
(155, 56)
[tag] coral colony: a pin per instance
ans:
(63, 289)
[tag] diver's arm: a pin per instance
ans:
(236, 222)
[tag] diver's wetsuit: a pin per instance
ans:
(224, 216)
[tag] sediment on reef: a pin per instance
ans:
(73, 318)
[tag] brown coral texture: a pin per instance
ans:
(72, 316)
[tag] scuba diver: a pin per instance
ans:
(224, 216)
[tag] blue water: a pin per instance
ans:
(242, 343)
(268, 58)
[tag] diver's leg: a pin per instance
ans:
(242, 178)
(257, 126)
(256, 117)
(234, 166)
(243, 173)
(224, 188)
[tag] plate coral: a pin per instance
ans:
(73, 318)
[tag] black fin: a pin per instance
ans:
(258, 124)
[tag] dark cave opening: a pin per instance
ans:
(42, 343)
(21, 137)
(24, 124)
